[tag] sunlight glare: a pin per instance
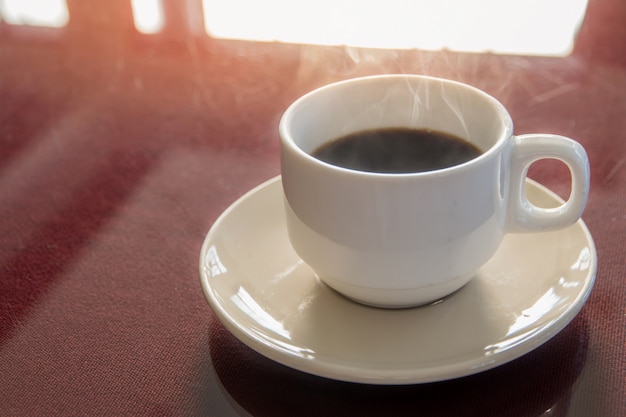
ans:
(44, 13)
(536, 27)
(148, 15)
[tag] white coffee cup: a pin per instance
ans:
(399, 240)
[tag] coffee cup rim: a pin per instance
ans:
(505, 133)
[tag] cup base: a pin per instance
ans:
(396, 298)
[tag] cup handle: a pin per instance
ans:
(523, 216)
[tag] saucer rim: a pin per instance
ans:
(322, 367)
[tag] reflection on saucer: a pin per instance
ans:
(536, 384)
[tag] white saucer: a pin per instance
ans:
(269, 299)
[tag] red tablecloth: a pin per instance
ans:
(119, 150)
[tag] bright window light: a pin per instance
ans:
(45, 13)
(148, 15)
(535, 27)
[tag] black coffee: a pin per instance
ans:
(397, 150)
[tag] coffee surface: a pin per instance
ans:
(397, 150)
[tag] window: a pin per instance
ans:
(537, 27)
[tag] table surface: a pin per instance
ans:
(119, 150)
